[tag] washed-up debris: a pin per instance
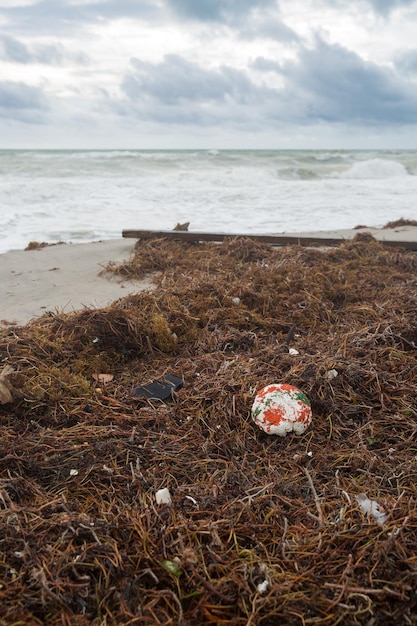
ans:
(181, 227)
(262, 587)
(371, 508)
(158, 390)
(163, 496)
(332, 374)
(280, 409)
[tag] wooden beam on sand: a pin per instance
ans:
(277, 240)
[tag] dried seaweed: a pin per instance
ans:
(400, 222)
(261, 530)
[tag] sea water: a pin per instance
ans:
(80, 196)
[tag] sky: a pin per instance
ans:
(187, 74)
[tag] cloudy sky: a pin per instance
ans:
(208, 73)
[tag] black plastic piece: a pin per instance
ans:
(158, 390)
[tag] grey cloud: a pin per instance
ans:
(139, 9)
(265, 65)
(384, 7)
(48, 16)
(327, 83)
(381, 7)
(406, 63)
(21, 101)
(179, 91)
(178, 80)
(268, 26)
(217, 10)
(335, 84)
(56, 54)
(253, 19)
(11, 49)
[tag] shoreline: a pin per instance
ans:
(65, 277)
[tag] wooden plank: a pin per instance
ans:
(277, 240)
(181, 235)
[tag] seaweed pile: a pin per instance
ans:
(260, 530)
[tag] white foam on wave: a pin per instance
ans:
(374, 168)
(76, 199)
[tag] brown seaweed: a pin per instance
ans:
(261, 530)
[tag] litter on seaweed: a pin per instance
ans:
(158, 390)
(279, 409)
(371, 508)
(163, 496)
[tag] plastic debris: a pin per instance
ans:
(331, 374)
(163, 496)
(159, 390)
(371, 508)
(262, 587)
(279, 409)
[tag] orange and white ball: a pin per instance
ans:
(279, 409)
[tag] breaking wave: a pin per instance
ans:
(88, 195)
(375, 168)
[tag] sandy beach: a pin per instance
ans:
(68, 277)
(62, 278)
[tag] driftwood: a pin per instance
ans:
(278, 240)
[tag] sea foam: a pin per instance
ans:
(375, 168)
(81, 196)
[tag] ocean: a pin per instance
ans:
(80, 196)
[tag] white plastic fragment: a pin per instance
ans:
(332, 374)
(262, 587)
(293, 352)
(371, 508)
(236, 300)
(73, 472)
(163, 496)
